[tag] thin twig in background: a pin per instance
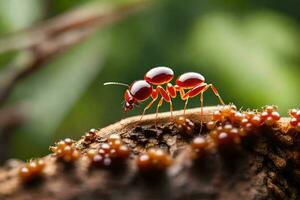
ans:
(10, 118)
(56, 36)
(11, 115)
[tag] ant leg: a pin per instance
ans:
(171, 91)
(167, 94)
(154, 96)
(185, 105)
(217, 93)
(201, 104)
(157, 108)
(194, 92)
(182, 94)
(199, 89)
(183, 97)
(147, 107)
(171, 109)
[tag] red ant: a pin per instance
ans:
(141, 90)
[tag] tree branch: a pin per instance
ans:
(266, 169)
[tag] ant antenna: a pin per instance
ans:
(116, 83)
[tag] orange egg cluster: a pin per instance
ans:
(247, 120)
(185, 125)
(154, 160)
(295, 121)
(109, 153)
(89, 137)
(66, 151)
(32, 170)
(226, 135)
(230, 114)
(228, 126)
(199, 145)
(270, 115)
(226, 112)
(251, 119)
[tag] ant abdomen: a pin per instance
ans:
(190, 80)
(159, 75)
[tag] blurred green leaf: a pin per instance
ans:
(19, 14)
(53, 91)
(250, 56)
(56, 93)
(16, 15)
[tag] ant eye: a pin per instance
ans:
(131, 101)
(128, 97)
(128, 106)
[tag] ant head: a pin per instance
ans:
(130, 101)
(129, 106)
(137, 92)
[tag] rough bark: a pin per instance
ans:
(266, 168)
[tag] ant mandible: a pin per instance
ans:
(151, 86)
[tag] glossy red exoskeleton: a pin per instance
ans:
(189, 85)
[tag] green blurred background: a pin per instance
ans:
(250, 50)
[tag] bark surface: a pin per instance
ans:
(266, 168)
